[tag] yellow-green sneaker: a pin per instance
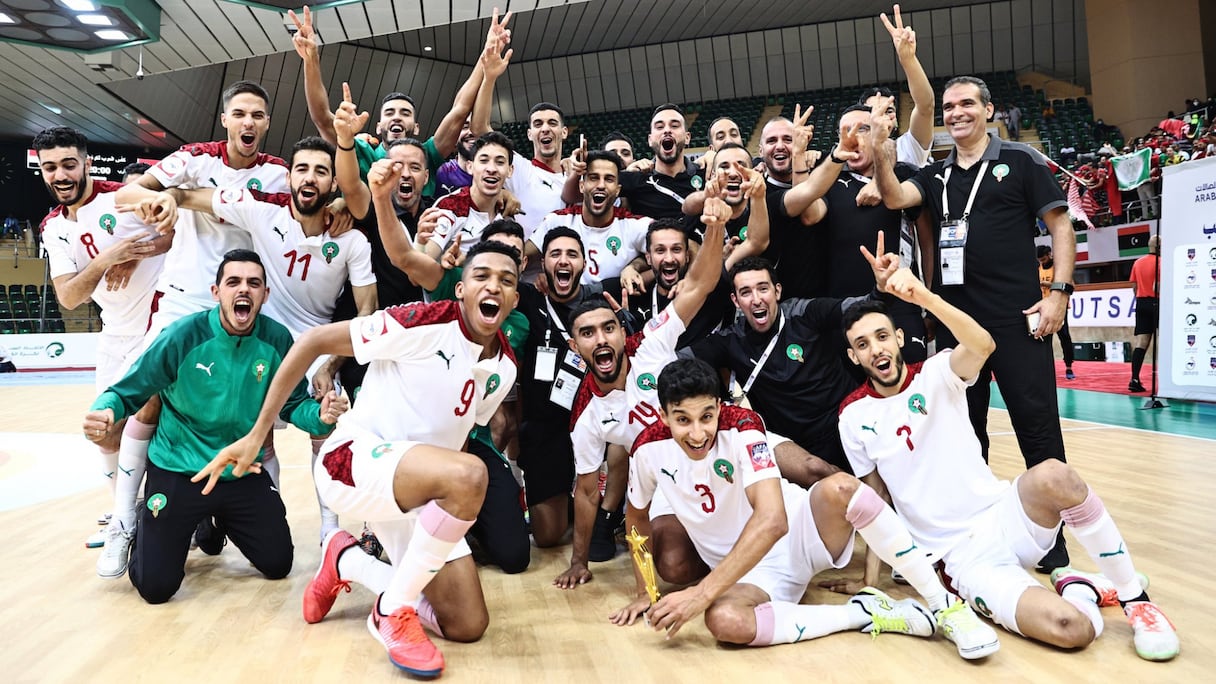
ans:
(974, 638)
(889, 615)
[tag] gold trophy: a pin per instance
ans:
(644, 561)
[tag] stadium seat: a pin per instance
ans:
(7, 328)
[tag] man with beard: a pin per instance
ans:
(200, 242)
(212, 370)
(85, 237)
(732, 179)
(614, 238)
(616, 401)
(456, 173)
(463, 214)
(397, 110)
(397, 460)
(307, 267)
(905, 433)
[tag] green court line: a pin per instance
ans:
(1189, 418)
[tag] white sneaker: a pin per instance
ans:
(1153, 633)
(888, 615)
(113, 560)
(973, 637)
(96, 540)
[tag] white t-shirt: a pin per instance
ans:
(708, 496)
(72, 245)
(909, 151)
(538, 189)
(424, 380)
(925, 450)
(619, 416)
(201, 240)
(305, 274)
(609, 249)
(458, 215)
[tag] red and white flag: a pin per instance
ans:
(1076, 206)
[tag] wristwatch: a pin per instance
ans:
(1066, 288)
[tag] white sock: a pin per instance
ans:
(1080, 595)
(778, 622)
(885, 533)
(435, 534)
(329, 519)
(356, 566)
(109, 465)
(270, 465)
(132, 462)
(1092, 525)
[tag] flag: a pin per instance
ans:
(1114, 196)
(1133, 169)
(1082, 246)
(1133, 240)
(1075, 206)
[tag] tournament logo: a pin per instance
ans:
(1191, 319)
(374, 325)
(1190, 364)
(230, 196)
(725, 470)
(760, 456)
(1214, 274)
(492, 384)
(1190, 340)
(658, 321)
(696, 183)
(382, 450)
(1212, 342)
(794, 351)
(1000, 171)
(1213, 361)
(1190, 254)
(647, 382)
(173, 164)
(254, 184)
(156, 503)
(917, 404)
(54, 350)
(329, 250)
(260, 368)
(1212, 253)
(1190, 277)
(614, 244)
(107, 223)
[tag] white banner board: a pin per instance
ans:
(52, 351)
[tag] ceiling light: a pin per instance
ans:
(79, 5)
(51, 108)
(94, 19)
(6, 19)
(112, 34)
(427, 48)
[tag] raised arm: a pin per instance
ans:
(706, 268)
(920, 124)
(423, 270)
(447, 134)
(305, 42)
(895, 195)
(348, 122)
(757, 224)
(804, 199)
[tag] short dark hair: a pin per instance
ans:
(859, 310)
(880, 91)
(314, 143)
(855, 108)
(666, 106)
(238, 255)
(492, 247)
(61, 136)
(711, 126)
(503, 226)
(985, 94)
(584, 307)
(494, 138)
(563, 232)
(685, 379)
(395, 95)
(733, 146)
(546, 106)
(1043, 251)
(135, 168)
(412, 142)
(601, 155)
(666, 224)
(615, 135)
(244, 87)
(752, 264)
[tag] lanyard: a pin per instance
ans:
(979, 178)
(764, 357)
(666, 191)
(555, 320)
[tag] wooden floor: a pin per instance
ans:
(61, 623)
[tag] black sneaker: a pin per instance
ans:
(1135, 386)
(1056, 558)
(210, 537)
(603, 537)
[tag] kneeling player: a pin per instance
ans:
(765, 538)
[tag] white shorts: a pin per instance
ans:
(988, 569)
(787, 569)
(354, 478)
(115, 356)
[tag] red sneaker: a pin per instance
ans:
(322, 591)
(409, 648)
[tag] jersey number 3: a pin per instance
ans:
(708, 505)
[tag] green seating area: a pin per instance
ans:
(28, 309)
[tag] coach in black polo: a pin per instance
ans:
(986, 263)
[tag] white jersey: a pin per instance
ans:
(609, 249)
(909, 151)
(201, 240)
(72, 245)
(424, 380)
(538, 189)
(922, 444)
(619, 416)
(305, 274)
(459, 216)
(708, 496)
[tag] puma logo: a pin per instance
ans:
(843, 181)
(446, 359)
(282, 235)
(110, 475)
(901, 554)
(546, 183)
(206, 368)
(65, 239)
(801, 629)
(125, 471)
(610, 419)
(1120, 552)
(919, 341)
(870, 428)
(672, 474)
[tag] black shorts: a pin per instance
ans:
(1146, 315)
(546, 455)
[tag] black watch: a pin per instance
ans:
(1066, 288)
(835, 160)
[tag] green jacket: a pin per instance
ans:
(212, 385)
(367, 154)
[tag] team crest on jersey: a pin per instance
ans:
(917, 404)
(614, 244)
(760, 456)
(794, 351)
(382, 450)
(725, 470)
(697, 183)
(107, 223)
(173, 164)
(230, 196)
(254, 184)
(156, 503)
(492, 384)
(329, 250)
(260, 368)
(647, 382)
(373, 326)
(743, 233)
(658, 321)
(981, 607)
(1000, 171)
